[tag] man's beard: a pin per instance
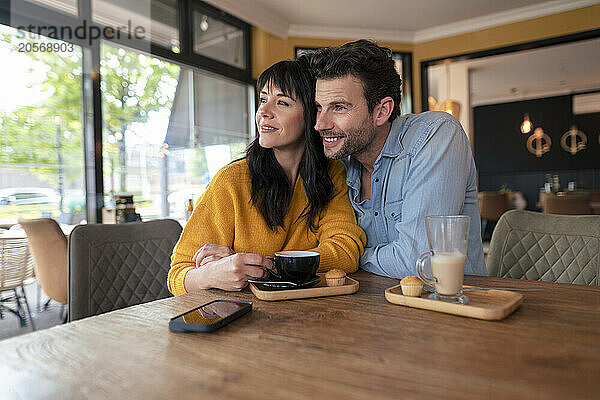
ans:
(356, 141)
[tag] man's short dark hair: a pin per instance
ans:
(364, 59)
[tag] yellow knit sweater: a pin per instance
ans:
(224, 215)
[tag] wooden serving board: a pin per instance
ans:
(320, 290)
(483, 304)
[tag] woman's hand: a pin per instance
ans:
(227, 273)
(211, 252)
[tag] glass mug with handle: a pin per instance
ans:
(448, 236)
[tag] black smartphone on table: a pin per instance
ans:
(210, 316)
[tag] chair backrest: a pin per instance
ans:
(16, 263)
(493, 204)
(595, 202)
(546, 247)
(49, 247)
(115, 266)
(570, 204)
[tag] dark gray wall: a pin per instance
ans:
(503, 159)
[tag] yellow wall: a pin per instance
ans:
(268, 49)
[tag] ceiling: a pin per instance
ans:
(544, 72)
(536, 73)
(548, 71)
(411, 21)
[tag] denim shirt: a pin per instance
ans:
(425, 168)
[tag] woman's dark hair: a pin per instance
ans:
(271, 190)
(364, 59)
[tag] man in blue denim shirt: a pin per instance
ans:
(401, 168)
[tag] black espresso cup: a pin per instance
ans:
(296, 266)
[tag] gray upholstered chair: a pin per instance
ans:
(595, 202)
(554, 248)
(116, 266)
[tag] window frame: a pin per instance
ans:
(241, 74)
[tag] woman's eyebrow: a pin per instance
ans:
(279, 94)
(285, 95)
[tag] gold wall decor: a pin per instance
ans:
(539, 143)
(574, 145)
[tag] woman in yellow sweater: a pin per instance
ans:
(284, 195)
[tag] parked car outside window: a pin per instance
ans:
(20, 196)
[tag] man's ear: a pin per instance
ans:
(383, 110)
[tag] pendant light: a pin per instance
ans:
(526, 125)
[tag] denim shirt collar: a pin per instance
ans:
(352, 173)
(392, 148)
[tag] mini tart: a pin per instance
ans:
(335, 277)
(411, 286)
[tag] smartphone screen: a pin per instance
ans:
(210, 316)
(212, 312)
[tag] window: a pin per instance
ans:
(137, 96)
(153, 20)
(403, 62)
(167, 130)
(220, 134)
(41, 146)
(165, 123)
(67, 6)
(219, 40)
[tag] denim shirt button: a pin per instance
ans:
(376, 179)
(376, 213)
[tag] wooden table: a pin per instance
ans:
(351, 347)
